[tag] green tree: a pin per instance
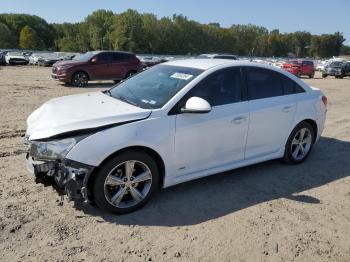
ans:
(16, 22)
(28, 39)
(345, 50)
(128, 32)
(7, 40)
(99, 25)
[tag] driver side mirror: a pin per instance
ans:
(196, 105)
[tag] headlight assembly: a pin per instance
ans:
(62, 67)
(54, 149)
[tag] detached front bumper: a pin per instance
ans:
(68, 177)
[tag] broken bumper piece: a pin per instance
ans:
(68, 177)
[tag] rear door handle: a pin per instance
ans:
(286, 109)
(238, 120)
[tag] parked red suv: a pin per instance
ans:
(300, 67)
(97, 65)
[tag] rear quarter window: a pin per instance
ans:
(290, 86)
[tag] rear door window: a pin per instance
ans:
(118, 57)
(263, 83)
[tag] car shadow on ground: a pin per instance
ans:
(216, 196)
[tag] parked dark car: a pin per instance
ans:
(96, 65)
(337, 69)
(149, 61)
(48, 59)
(300, 68)
(219, 56)
(2, 58)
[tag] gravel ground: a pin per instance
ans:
(266, 212)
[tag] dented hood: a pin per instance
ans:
(79, 112)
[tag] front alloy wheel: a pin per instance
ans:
(80, 79)
(126, 182)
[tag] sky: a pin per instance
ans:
(315, 16)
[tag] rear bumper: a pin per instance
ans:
(67, 177)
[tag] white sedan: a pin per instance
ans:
(175, 122)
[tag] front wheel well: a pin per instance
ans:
(147, 150)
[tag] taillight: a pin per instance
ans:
(325, 100)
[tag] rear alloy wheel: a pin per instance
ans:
(80, 79)
(126, 182)
(299, 143)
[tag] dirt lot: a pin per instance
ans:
(267, 212)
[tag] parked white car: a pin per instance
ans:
(15, 58)
(172, 123)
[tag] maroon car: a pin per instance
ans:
(96, 65)
(300, 68)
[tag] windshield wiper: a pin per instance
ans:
(124, 99)
(108, 92)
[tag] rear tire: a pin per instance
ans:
(299, 143)
(324, 75)
(113, 179)
(312, 75)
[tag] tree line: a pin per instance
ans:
(145, 33)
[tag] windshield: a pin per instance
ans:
(15, 53)
(336, 64)
(84, 57)
(154, 87)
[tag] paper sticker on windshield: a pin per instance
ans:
(181, 76)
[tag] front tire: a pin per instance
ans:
(299, 144)
(80, 79)
(126, 182)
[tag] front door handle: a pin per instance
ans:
(286, 109)
(238, 120)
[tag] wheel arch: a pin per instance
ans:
(80, 70)
(312, 122)
(158, 159)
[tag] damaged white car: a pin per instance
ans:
(175, 122)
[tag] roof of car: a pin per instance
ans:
(203, 64)
(109, 51)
